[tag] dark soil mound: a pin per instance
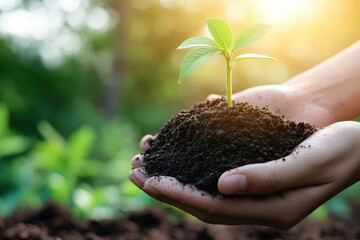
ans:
(55, 223)
(198, 145)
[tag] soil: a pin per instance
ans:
(52, 222)
(198, 145)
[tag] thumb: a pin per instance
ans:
(259, 178)
(297, 169)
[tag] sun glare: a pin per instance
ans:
(284, 13)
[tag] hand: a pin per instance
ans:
(278, 193)
(286, 100)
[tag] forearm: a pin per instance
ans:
(334, 84)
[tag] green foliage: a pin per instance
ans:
(11, 144)
(224, 45)
(86, 171)
(4, 123)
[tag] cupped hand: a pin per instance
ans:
(278, 193)
(286, 100)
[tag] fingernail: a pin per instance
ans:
(234, 183)
(137, 161)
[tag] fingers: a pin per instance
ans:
(138, 176)
(138, 161)
(281, 210)
(145, 142)
(213, 97)
(259, 179)
(305, 166)
(325, 157)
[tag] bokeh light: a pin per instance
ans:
(285, 14)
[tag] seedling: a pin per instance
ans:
(222, 43)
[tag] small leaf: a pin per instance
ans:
(198, 42)
(221, 32)
(250, 34)
(195, 59)
(253, 56)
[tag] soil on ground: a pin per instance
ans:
(198, 145)
(52, 222)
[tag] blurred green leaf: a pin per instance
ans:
(195, 59)
(250, 34)
(198, 42)
(221, 32)
(4, 120)
(129, 189)
(13, 145)
(51, 135)
(59, 188)
(80, 144)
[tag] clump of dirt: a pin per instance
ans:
(198, 145)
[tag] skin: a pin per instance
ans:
(326, 96)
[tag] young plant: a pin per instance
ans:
(222, 43)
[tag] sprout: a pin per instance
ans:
(222, 43)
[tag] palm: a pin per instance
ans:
(288, 102)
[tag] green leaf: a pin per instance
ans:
(4, 120)
(81, 142)
(52, 136)
(198, 42)
(250, 34)
(195, 59)
(80, 145)
(13, 145)
(221, 32)
(253, 56)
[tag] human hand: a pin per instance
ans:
(278, 193)
(286, 100)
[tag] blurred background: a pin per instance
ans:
(82, 80)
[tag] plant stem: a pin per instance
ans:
(228, 81)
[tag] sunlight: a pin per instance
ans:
(284, 13)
